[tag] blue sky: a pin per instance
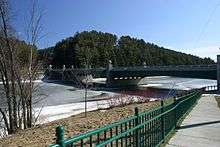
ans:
(190, 26)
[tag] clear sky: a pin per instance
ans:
(190, 26)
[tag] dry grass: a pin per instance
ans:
(217, 98)
(43, 135)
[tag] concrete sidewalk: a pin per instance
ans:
(201, 128)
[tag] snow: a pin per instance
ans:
(51, 113)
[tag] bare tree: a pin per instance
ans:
(8, 70)
(88, 58)
(34, 29)
(18, 77)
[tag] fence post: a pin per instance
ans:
(175, 111)
(162, 121)
(60, 136)
(136, 135)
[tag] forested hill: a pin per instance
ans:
(97, 48)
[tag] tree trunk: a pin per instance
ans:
(5, 119)
(13, 103)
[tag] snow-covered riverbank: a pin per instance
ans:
(61, 101)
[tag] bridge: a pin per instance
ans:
(130, 76)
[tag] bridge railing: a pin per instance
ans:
(168, 67)
(203, 66)
(211, 88)
(149, 128)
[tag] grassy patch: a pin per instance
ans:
(217, 98)
(168, 138)
(168, 101)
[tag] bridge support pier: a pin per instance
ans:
(218, 73)
(108, 76)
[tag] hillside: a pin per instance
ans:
(97, 48)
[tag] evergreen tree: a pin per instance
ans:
(99, 48)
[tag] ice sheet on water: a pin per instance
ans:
(177, 83)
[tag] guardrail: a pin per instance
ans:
(149, 128)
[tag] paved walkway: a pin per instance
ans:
(201, 128)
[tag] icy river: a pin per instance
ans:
(60, 101)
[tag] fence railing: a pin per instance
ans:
(148, 128)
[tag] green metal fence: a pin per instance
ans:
(148, 128)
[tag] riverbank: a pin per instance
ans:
(62, 101)
(217, 98)
(44, 134)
